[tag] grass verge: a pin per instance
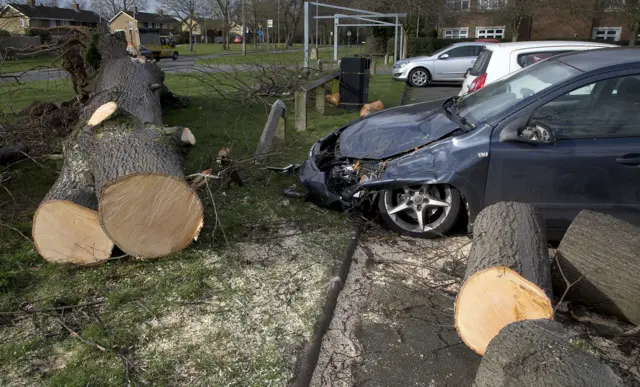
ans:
(10, 66)
(233, 309)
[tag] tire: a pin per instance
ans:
(438, 219)
(175, 55)
(419, 77)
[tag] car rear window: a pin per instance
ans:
(480, 67)
(530, 58)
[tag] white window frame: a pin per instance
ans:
(488, 5)
(618, 31)
(451, 5)
(463, 33)
(492, 35)
(22, 22)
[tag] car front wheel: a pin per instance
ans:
(419, 77)
(423, 211)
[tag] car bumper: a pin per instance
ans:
(315, 181)
(400, 74)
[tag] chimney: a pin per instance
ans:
(32, 3)
(160, 11)
(135, 9)
(76, 6)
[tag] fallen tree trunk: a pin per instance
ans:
(65, 226)
(508, 274)
(600, 256)
(145, 207)
(541, 353)
(135, 164)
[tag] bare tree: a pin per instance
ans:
(186, 11)
(293, 10)
(109, 8)
(224, 9)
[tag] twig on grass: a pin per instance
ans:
(53, 309)
(77, 336)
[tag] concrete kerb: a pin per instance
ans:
(308, 360)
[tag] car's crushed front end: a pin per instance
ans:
(394, 147)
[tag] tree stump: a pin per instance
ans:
(508, 274)
(65, 226)
(600, 256)
(541, 353)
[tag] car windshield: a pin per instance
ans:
(483, 104)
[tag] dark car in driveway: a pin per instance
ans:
(563, 135)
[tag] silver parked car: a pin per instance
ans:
(447, 65)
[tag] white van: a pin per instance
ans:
(498, 60)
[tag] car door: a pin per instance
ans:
(594, 162)
(452, 64)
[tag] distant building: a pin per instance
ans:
(138, 26)
(19, 18)
(483, 19)
(210, 30)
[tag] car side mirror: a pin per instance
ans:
(443, 56)
(466, 74)
(535, 134)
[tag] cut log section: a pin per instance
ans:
(66, 228)
(600, 256)
(508, 274)
(146, 207)
(541, 353)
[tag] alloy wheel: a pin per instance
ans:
(419, 78)
(418, 209)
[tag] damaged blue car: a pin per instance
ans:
(563, 134)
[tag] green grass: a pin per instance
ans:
(16, 96)
(201, 49)
(10, 66)
(231, 310)
(265, 57)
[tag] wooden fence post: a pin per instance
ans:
(320, 100)
(301, 110)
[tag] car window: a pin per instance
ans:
(608, 108)
(461, 52)
(530, 58)
(482, 63)
(476, 50)
(513, 88)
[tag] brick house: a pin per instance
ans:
(19, 18)
(138, 25)
(465, 19)
(214, 30)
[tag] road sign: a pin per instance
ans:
(269, 23)
(348, 33)
(331, 33)
(259, 32)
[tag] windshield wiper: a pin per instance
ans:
(452, 112)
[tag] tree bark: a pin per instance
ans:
(600, 256)
(508, 276)
(65, 226)
(541, 353)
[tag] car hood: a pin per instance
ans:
(394, 131)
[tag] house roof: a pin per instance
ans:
(146, 17)
(43, 12)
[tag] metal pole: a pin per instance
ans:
(306, 34)
(244, 32)
(335, 38)
(278, 23)
(401, 41)
(395, 43)
(347, 9)
(317, 26)
(418, 27)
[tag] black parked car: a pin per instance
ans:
(563, 134)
